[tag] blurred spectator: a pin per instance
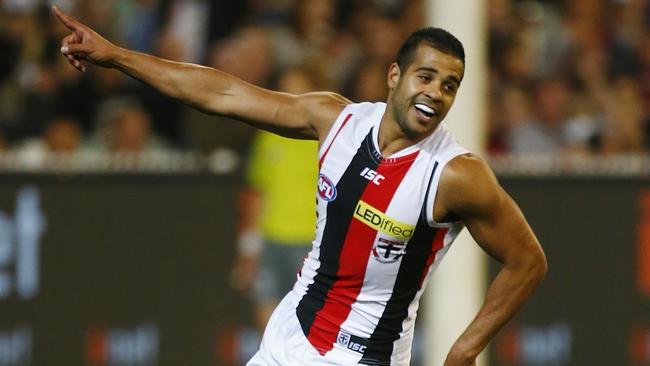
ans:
(247, 54)
(413, 15)
(315, 32)
(124, 126)
(600, 49)
(624, 131)
(314, 23)
(100, 13)
(369, 82)
(303, 78)
(138, 22)
(517, 61)
(62, 136)
(166, 113)
(588, 58)
(511, 110)
(544, 131)
(130, 131)
(583, 131)
(644, 70)
(186, 23)
(379, 34)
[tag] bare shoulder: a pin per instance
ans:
(304, 116)
(467, 186)
(464, 168)
(323, 108)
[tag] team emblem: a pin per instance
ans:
(343, 339)
(388, 251)
(326, 189)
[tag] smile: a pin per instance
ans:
(425, 110)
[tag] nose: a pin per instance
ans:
(433, 91)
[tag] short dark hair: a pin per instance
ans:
(437, 38)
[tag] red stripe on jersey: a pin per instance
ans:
(347, 118)
(354, 259)
(436, 245)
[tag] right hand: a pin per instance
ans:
(84, 44)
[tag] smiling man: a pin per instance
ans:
(394, 191)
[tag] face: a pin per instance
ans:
(421, 95)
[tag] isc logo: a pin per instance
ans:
(326, 189)
(346, 340)
(372, 176)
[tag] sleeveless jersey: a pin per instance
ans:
(376, 240)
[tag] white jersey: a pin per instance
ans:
(376, 241)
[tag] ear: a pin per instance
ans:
(394, 73)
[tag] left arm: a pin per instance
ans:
(469, 191)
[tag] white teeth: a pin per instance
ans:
(425, 108)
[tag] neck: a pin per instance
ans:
(391, 137)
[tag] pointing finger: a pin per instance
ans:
(70, 23)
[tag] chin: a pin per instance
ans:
(424, 127)
(413, 133)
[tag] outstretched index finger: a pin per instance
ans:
(68, 21)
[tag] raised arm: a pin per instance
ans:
(470, 192)
(212, 91)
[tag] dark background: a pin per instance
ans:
(125, 252)
(126, 255)
(589, 227)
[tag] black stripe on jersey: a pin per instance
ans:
(380, 344)
(339, 215)
(423, 212)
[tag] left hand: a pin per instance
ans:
(84, 44)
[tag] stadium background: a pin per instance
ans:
(117, 205)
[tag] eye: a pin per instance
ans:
(450, 87)
(424, 77)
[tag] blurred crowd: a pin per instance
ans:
(569, 77)
(565, 76)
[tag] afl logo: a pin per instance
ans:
(326, 189)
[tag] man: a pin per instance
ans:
(394, 190)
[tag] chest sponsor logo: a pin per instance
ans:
(382, 223)
(326, 189)
(388, 251)
(372, 176)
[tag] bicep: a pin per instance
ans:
(305, 116)
(491, 216)
(499, 227)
